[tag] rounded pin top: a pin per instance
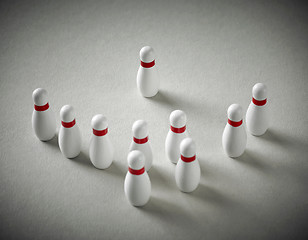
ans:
(140, 129)
(39, 96)
(259, 91)
(235, 112)
(99, 122)
(67, 113)
(136, 160)
(147, 54)
(177, 119)
(188, 147)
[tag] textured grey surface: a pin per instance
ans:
(209, 55)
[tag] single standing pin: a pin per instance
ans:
(69, 134)
(187, 170)
(43, 118)
(137, 184)
(176, 134)
(141, 142)
(234, 137)
(101, 149)
(147, 76)
(257, 116)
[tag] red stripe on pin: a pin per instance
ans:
(259, 102)
(188, 159)
(178, 130)
(141, 140)
(147, 65)
(68, 124)
(100, 133)
(235, 124)
(136, 172)
(41, 108)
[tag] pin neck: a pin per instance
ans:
(136, 172)
(100, 133)
(141, 140)
(259, 102)
(235, 124)
(147, 65)
(178, 130)
(68, 124)
(41, 108)
(188, 159)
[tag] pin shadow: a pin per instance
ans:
(292, 146)
(115, 169)
(157, 206)
(282, 139)
(253, 160)
(165, 98)
(166, 211)
(53, 142)
(205, 169)
(174, 101)
(83, 159)
(211, 195)
(158, 178)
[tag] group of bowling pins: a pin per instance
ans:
(137, 186)
(180, 149)
(234, 137)
(44, 124)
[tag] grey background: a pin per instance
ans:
(209, 55)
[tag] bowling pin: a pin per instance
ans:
(234, 137)
(137, 184)
(69, 134)
(176, 134)
(187, 170)
(147, 76)
(141, 142)
(43, 118)
(257, 116)
(101, 149)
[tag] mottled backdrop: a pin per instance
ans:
(209, 55)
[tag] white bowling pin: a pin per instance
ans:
(147, 76)
(257, 116)
(187, 170)
(176, 134)
(69, 134)
(234, 137)
(43, 118)
(101, 149)
(141, 142)
(137, 184)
